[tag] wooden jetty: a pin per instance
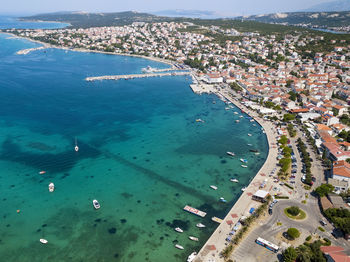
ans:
(194, 211)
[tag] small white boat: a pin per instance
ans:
(249, 134)
(177, 229)
(252, 120)
(244, 166)
(223, 200)
(236, 113)
(234, 180)
(254, 124)
(193, 238)
(227, 108)
(243, 160)
(249, 144)
(237, 121)
(199, 120)
(192, 257)
(96, 204)
(200, 225)
(43, 240)
(76, 148)
(244, 188)
(179, 246)
(230, 153)
(51, 187)
(257, 153)
(42, 172)
(214, 187)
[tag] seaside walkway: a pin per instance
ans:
(132, 76)
(217, 243)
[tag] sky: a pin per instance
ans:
(225, 7)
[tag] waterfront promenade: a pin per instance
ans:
(217, 243)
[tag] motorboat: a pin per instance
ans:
(177, 229)
(237, 121)
(236, 113)
(51, 187)
(243, 160)
(179, 246)
(241, 116)
(223, 200)
(96, 204)
(252, 120)
(249, 144)
(199, 120)
(234, 180)
(244, 166)
(230, 153)
(76, 148)
(214, 187)
(42, 172)
(244, 188)
(193, 238)
(257, 153)
(200, 225)
(43, 240)
(249, 134)
(192, 257)
(254, 150)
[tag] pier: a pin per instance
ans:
(195, 211)
(132, 76)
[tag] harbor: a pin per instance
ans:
(133, 76)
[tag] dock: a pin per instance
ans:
(195, 211)
(132, 76)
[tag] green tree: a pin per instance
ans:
(293, 233)
(289, 255)
(288, 117)
(293, 210)
(293, 96)
(303, 253)
(283, 140)
(324, 190)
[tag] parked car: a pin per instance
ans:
(323, 223)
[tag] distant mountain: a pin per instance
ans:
(320, 19)
(190, 14)
(335, 6)
(84, 19)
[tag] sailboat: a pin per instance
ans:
(76, 148)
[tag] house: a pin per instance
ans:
(260, 195)
(335, 254)
(341, 172)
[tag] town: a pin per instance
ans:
(297, 85)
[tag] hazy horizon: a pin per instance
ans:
(223, 7)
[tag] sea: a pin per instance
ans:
(142, 155)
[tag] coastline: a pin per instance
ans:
(46, 45)
(216, 242)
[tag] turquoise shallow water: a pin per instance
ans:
(142, 155)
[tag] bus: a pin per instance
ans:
(267, 244)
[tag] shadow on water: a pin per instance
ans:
(53, 163)
(153, 175)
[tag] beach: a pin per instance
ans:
(217, 243)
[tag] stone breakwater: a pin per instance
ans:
(132, 76)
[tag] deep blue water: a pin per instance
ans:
(142, 155)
